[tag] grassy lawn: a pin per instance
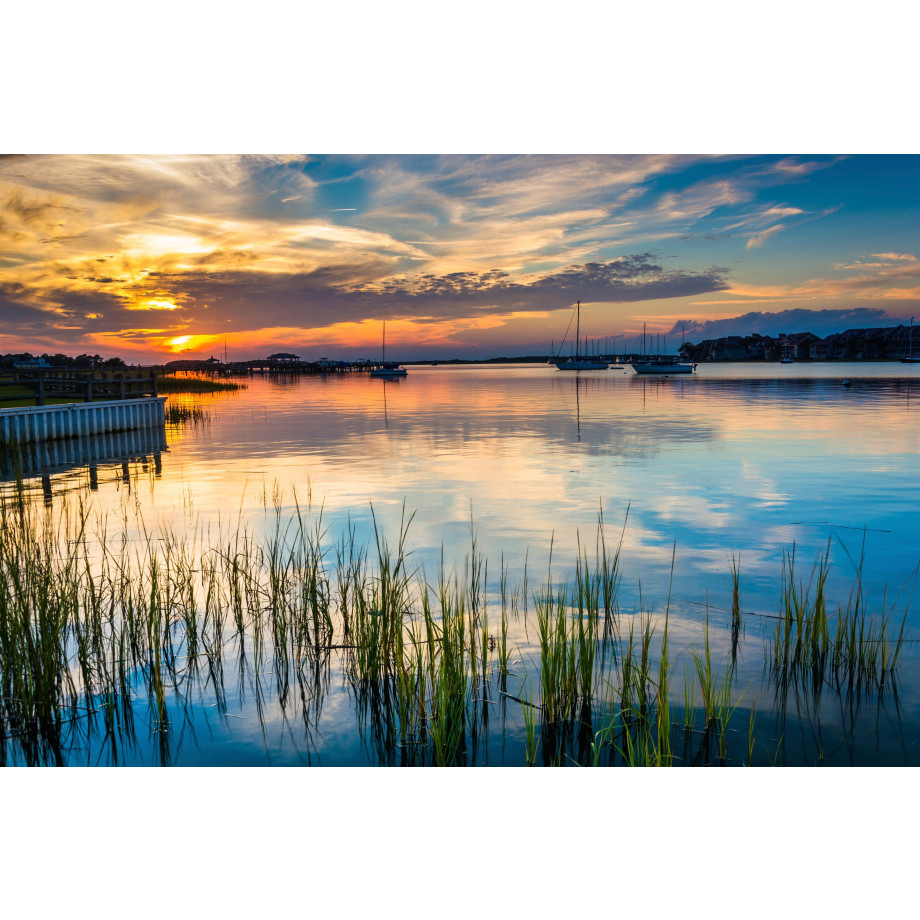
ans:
(30, 401)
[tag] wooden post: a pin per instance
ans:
(121, 385)
(89, 389)
(40, 390)
(153, 381)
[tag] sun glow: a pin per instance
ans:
(152, 303)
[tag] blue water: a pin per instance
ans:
(752, 460)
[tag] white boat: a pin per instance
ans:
(386, 370)
(577, 362)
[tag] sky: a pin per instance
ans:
(157, 257)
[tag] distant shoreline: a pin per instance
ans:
(188, 367)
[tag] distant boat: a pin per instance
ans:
(666, 365)
(658, 364)
(387, 370)
(577, 362)
(787, 360)
(911, 359)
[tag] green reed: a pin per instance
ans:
(532, 741)
(716, 694)
(185, 414)
(94, 618)
(846, 645)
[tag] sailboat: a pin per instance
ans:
(387, 370)
(660, 364)
(911, 358)
(577, 362)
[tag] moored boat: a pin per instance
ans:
(911, 357)
(579, 362)
(662, 366)
(387, 369)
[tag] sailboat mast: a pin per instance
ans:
(577, 327)
(383, 354)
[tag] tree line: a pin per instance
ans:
(80, 362)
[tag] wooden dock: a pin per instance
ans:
(41, 384)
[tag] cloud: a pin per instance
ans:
(314, 298)
(241, 244)
(896, 256)
(874, 280)
(758, 238)
(819, 322)
(215, 302)
(793, 166)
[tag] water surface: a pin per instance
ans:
(745, 459)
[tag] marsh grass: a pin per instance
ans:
(170, 384)
(103, 624)
(718, 701)
(842, 646)
(179, 415)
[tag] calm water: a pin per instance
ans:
(743, 459)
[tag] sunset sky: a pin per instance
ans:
(156, 257)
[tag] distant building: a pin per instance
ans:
(799, 344)
(284, 357)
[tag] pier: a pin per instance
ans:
(26, 424)
(41, 384)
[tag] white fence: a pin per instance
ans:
(70, 420)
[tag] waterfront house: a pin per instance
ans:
(31, 364)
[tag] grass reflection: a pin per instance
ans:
(101, 634)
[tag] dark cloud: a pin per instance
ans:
(17, 317)
(629, 279)
(226, 301)
(20, 316)
(819, 322)
(323, 296)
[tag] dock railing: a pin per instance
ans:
(52, 383)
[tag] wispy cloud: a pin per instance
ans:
(230, 244)
(758, 238)
(896, 256)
